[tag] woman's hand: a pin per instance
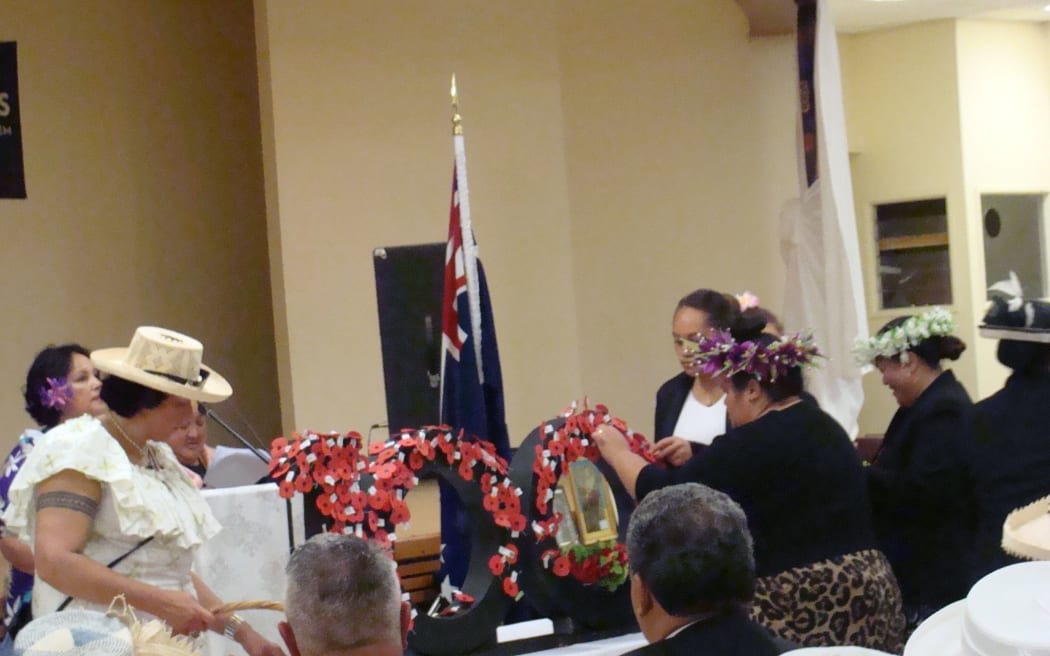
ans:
(18, 553)
(181, 611)
(255, 644)
(673, 450)
(610, 441)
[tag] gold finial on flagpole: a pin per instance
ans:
(457, 120)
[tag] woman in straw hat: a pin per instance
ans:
(921, 480)
(108, 507)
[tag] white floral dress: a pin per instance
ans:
(137, 502)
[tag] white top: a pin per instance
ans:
(137, 502)
(701, 423)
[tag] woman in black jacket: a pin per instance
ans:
(690, 407)
(921, 481)
(1013, 449)
(792, 468)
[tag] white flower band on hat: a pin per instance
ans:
(897, 341)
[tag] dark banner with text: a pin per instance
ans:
(12, 171)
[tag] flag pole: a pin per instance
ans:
(470, 247)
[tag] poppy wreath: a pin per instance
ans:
(336, 466)
(559, 447)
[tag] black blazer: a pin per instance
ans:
(670, 399)
(725, 635)
(922, 494)
(798, 478)
(1012, 466)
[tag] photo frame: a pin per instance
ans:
(591, 502)
(567, 534)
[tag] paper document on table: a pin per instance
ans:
(232, 467)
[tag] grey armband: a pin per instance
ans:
(68, 500)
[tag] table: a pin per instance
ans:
(246, 560)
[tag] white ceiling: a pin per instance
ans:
(861, 15)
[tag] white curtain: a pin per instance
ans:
(824, 291)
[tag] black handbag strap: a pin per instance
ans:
(113, 563)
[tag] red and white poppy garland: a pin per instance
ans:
(334, 464)
(558, 448)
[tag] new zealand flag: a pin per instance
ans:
(471, 381)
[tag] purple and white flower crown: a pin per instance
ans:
(720, 355)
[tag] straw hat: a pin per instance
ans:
(1006, 614)
(166, 361)
(1026, 531)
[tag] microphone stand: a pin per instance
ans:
(208, 412)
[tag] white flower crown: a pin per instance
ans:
(897, 341)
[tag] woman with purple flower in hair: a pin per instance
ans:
(61, 384)
(821, 580)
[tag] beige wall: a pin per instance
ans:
(954, 109)
(680, 137)
(620, 156)
(144, 177)
(1004, 97)
(902, 102)
(362, 155)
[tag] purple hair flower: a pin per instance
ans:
(720, 354)
(56, 393)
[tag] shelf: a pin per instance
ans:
(913, 241)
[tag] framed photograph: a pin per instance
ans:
(591, 502)
(567, 534)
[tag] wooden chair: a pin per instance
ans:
(418, 561)
(868, 445)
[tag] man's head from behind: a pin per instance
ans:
(690, 554)
(343, 597)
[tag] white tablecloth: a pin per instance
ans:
(607, 647)
(246, 560)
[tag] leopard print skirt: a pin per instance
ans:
(847, 600)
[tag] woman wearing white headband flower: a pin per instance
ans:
(921, 481)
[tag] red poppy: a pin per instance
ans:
(399, 511)
(510, 587)
(562, 566)
(496, 565)
(518, 522)
(379, 500)
(466, 470)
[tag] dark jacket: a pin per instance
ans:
(725, 635)
(798, 479)
(922, 493)
(1012, 466)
